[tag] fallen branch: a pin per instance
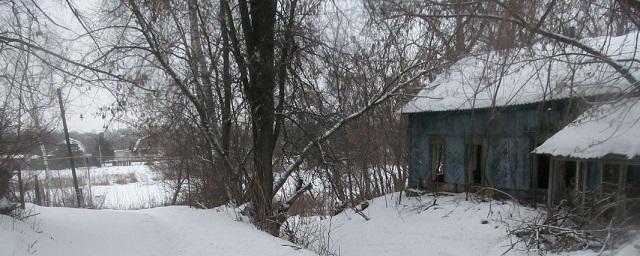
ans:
(361, 207)
(433, 203)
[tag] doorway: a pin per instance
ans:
(474, 164)
(632, 193)
(569, 175)
(543, 162)
(437, 161)
(566, 181)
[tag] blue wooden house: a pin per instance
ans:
(478, 123)
(459, 149)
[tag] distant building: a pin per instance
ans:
(145, 148)
(77, 148)
(59, 159)
(13, 162)
(122, 157)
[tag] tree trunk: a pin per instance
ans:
(233, 192)
(179, 182)
(258, 23)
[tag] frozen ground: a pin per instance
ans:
(160, 231)
(101, 175)
(137, 195)
(113, 187)
(416, 226)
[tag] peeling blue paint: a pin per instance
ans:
(507, 134)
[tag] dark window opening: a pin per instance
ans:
(610, 177)
(565, 185)
(543, 162)
(633, 181)
(437, 161)
(632, 191)
(570, 169)
(475, 163)
(581, 179)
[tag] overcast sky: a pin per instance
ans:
(81, 105)
(82, 109)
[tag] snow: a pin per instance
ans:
(522, 76)
(632, 248)
(172, 231)
(81, 146)
(611, 128)
(105, 174)
(453, 226)
(113, 187)
(137, 195)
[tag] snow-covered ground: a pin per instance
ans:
(112, 187)
(101, 175)
(426, 225)
(175, 230)
(416, 226)
(453, 226)
(137, 195)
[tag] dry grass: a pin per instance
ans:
(123, 179)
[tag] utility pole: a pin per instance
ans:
(69, 152)
(86, 162)
(19, 161)
(100, 152)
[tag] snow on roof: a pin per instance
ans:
(81, 146)
(138, 144)
(526, 75)
(602, 130)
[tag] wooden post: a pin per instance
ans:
(45, 185)
(37, 193)
(69, 152)
(622, 182)
(86, 161)
(552, 183)
(189, 185)
(100, 153)
(20, 187)
(467, 170)
(579, 186)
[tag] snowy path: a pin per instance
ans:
(160, 231)
(105, 233)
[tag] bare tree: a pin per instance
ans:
(273, 46)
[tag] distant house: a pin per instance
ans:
(60, 157)
(13, 162)
(146, 147)
(77, 147)
(122, 157)
(477, 124)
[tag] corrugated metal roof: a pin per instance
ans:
(602, 130)
(523, 76)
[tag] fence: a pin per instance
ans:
(130, 184)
